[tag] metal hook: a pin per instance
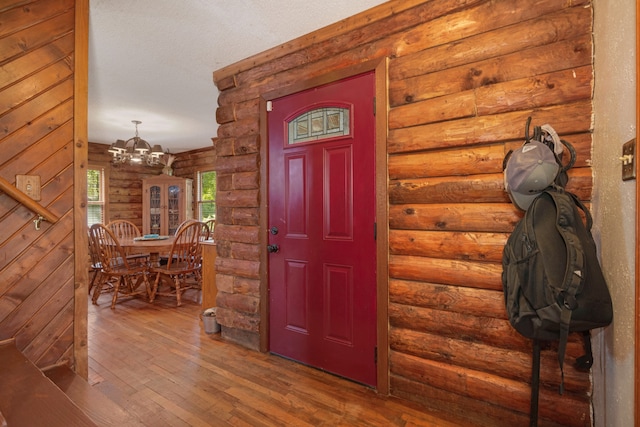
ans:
(38, 220)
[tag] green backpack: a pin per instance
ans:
(552, 280)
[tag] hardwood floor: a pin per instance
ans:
(156, 362)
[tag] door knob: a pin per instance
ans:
(273, 248)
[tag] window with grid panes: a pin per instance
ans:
(206, 195)
(96, 198)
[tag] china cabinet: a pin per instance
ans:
(167, 201)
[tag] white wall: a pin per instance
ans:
(614, 206)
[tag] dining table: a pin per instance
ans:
(154, 246)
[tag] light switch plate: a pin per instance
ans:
(629, 160)
(29, 185)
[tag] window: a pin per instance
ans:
(206, 195)
(96, 198)
(321, 123)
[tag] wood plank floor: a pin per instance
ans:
(156, 361)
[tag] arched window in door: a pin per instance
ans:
(320, 123)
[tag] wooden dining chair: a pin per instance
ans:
(184, 264)
(184, 224)
(123, 229)
(211, 225)
(164, 258)
(98, 284)
(128, 276)
(95, 265)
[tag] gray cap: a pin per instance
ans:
(530, 169)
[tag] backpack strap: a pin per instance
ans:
(574, 273)
(584, 362)
(584, 209)
(535, 384)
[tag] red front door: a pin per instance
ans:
(322, 268)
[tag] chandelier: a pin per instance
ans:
(135, 150)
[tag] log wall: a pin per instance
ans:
(464, 75)
(124, 183)
(37, 97)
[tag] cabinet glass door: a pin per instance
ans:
(173, 208)
(155, 209)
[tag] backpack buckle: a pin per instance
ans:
(568, 301)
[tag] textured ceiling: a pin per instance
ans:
(153, 60)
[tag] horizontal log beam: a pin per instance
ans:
(481, 59)
(487, 330)
(447, 162)
(473, 301)
(449, 245)
(486, 188)
(474, 274)
(567, 409)
(502, 362)
(482, 217)
(566, 119)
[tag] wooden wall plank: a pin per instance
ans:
(17, 17)
(30, 160)
(27, 278)
(29, 87)
(36, 35)
(38, 84)
(36, 324)
(34, 61)
(22, 116)
(25, 291)
(12, 145)
(60, 326)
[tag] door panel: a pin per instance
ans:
(296, 287)
(297, 200)
(338, 215)
(322, 279)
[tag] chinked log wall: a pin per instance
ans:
(125, 181)
(124, 192)
(463, 78)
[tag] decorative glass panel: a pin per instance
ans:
(173, 208)
(322, 123)
(154, 209)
